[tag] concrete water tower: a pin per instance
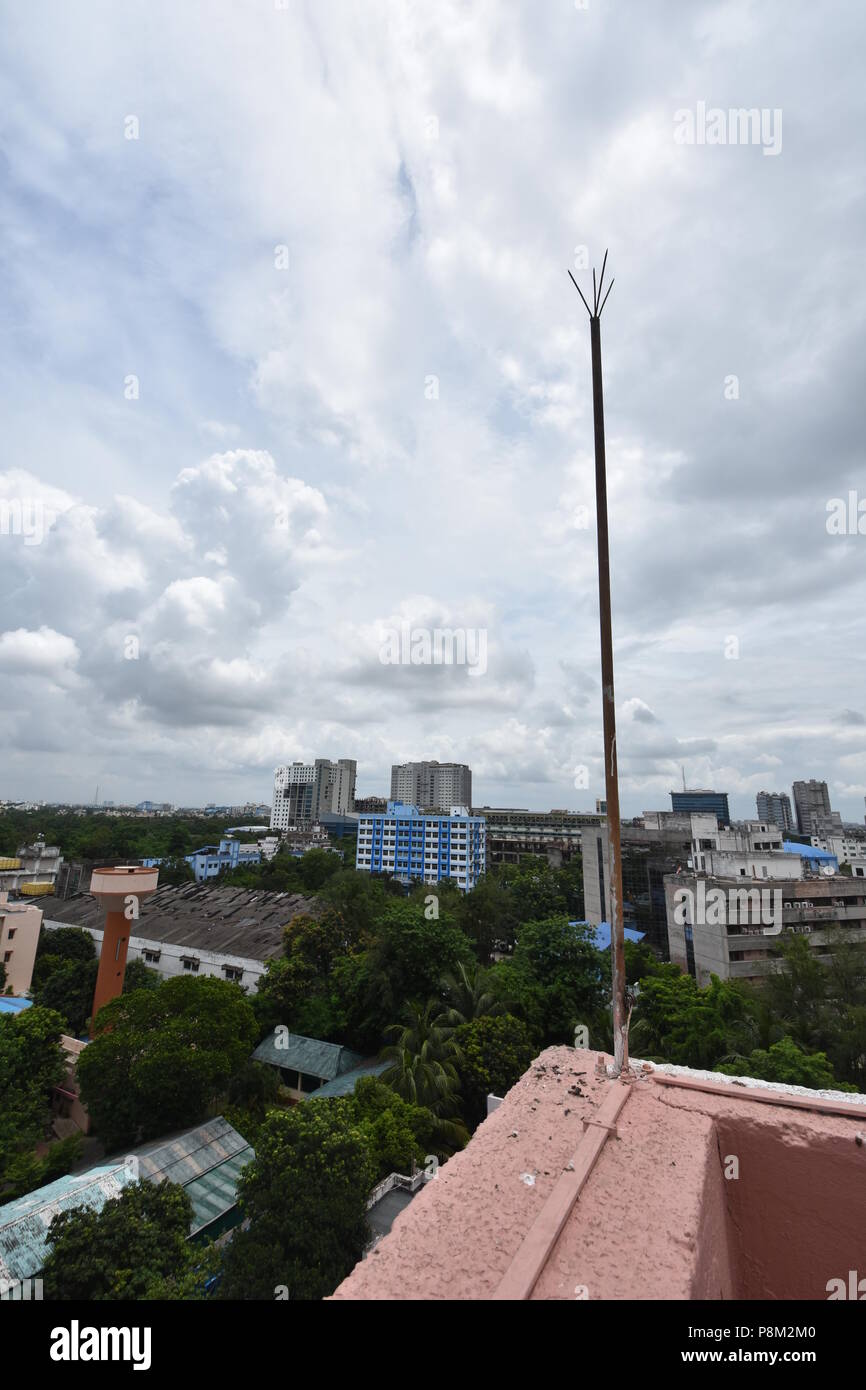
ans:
(120, 891)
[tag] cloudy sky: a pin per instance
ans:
(290, 361)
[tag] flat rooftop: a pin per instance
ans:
(675, 1184)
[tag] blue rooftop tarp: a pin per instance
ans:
(601, 934)
(11, 1004)
(807, 851)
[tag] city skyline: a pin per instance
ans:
(334, 411)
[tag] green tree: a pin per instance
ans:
(677, 1021)
(137, 975)
(407, 960)
(69, 990)
(494, 1051)
(163, 1056)
(59, 947)
(468, 994)
(785, 1061)
(31, 1063)
(535, 888)
(316, 867)
(555, 979)
(423, 1060)
(175, 871)
(489, 917)
(305, 1197)
(398, 1134)
(116, 1253)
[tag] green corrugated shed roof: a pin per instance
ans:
(307, 1055)
(187, 1156)
(344, 1085)
(215, 1193)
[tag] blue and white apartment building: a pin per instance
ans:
(418, 847)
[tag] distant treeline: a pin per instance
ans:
(95, 835)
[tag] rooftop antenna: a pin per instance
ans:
(684, 778)
(617, 936)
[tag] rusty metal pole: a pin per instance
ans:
(611, 782)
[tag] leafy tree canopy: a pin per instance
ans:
(117, 1253)
(305, 1196)
(163, 1055)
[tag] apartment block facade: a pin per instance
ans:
(431, 785)
(811, 798)
(415, 846)
(775, 807)
(735, 943)
(513, 832)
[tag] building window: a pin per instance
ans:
(190, 964)
(151, 957)
(233, 972)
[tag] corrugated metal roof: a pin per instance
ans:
(232, 921)
(189, 1155)
(215, 1193)
(24, 1223)
(206, 1161)
(344, 1085)
(307, 1055)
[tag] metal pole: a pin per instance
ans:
(611, 783)
(617, 938)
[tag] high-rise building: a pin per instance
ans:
(431, 785)
(775, 807)
(414, 847)
(707, 801)
(810, 799)
(303, 791)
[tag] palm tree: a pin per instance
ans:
(423, 1059)
(467, 995)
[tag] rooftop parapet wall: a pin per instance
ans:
(571, 1190)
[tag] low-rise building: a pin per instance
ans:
(197, 929)
(32, 871)
(731, 926)
(212, 860)
(413, 846)
(205, 1161)
(20, 923)
(307, 1065)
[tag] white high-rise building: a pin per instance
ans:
(302, 791)
(431, 785)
